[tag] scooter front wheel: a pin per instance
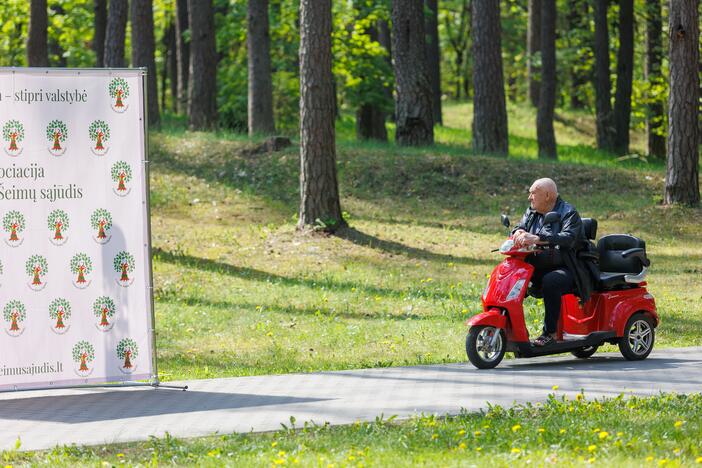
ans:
(485, 346)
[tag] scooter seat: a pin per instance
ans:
(613, 280)
(618, 269)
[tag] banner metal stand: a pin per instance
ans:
(155, 381)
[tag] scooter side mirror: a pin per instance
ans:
(504, 220)
(551, 217)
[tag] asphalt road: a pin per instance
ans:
(43, 419)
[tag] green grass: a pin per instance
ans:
(654, 431)
(240, 292)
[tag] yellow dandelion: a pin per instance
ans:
(554, 388)
(541, 430)
(281, 453)
(461, 432)
(562, 431)
(662, 461)
(351, 458)
(279, 461)
(579, 396)
(603, 435)
(477, 433)
(679, 423)
(596, 430)
(619, 434)
(516, 427)
(462, 446)
(649, 458)
(273, 444)
(591, 460)
(698, 460)
(434, 436)
(480, 449)
(591, 448)
(516, 450)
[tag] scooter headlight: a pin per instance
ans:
(516, 290)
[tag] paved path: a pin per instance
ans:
(93, 416)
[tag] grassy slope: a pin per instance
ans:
(238, 292)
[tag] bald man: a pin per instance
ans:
(557, 269)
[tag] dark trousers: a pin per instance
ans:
(553, 284)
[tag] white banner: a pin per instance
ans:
(74, 249)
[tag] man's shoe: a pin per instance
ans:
(544, 340)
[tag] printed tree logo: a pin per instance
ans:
(14, 313)
(36, 267)
(1, 269)
(99, 132)
(13, 133)
(119, 91)
(81, 265)
(60, 310)
(57, 132)
(104, 308)
(124, 264)
(127, 349)
(101, 220)
(122, 174)
(58, 223)
(13, 222)
(83, 353)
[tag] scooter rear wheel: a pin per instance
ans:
(485, 346)
(638, 339)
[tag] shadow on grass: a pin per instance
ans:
(367, 240)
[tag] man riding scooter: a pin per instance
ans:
(558, 271)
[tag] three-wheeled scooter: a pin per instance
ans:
(619, 311)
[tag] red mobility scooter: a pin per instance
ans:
(619, 311)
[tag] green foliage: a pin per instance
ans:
(363, 74)
(81, 261)
(83, 348)
(36, 264)
(13, 218)
(13, 127)
(104, 303)
(58, 216)
(71, 33)
(121, 168)
(14, 18)
(101, 216)
(99, 126)
(119, 84)
(54, 127)
(58, 304)
(14, 308)
(124, 258)
(127, 344)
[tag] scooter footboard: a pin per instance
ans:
(491, 318)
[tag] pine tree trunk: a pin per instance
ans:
(578, 20)
(115, 34)
(260, 109)
(143, 47)
(652, 74)
(100, 22)
(202, 91)
(489, 111)
(173, 67)
(533, 48)
(385, 40)
(625, 70)
(413, 109)
(547, 94)
(682, 177)
(37, 43)
(603, 96)
(370, 118)
(434, 57)
(319, 189)
(182, 54)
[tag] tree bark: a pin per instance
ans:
(115, 34)
(458, 39)
(489, 111)
(625, 70)
(533, 48)
(414, 122)
(547, 93)
(652, 74)
(370, 118)
(434, 57)
(143, 47)
(100, 22)
(682, 176)
(578, 20)
(260, 103)
(172, 57)
(603, 96)
(202, 82)
(385, 40)
(37, 43)
(182, 53)
(319, 189)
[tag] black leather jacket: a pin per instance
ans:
(569, 237)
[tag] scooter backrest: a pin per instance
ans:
(590, 228)
(610, 250)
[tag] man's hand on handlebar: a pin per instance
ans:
(524, 239)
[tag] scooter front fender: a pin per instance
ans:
(491, 318)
